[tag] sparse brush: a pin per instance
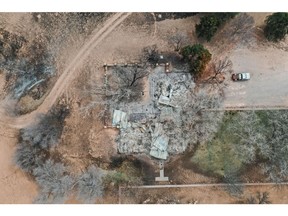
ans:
(32, 151)
(260, 198)
(54, 182)
(117, 178)
(276, 137)
(28, 157)
(46, 133)
(90, 185)
(178, 40)
(150, 54)
(198, 120)
(234, 186)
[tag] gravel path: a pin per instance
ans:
(268, 86)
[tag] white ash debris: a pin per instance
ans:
(172, 119)
(134, 139)
(159, 143)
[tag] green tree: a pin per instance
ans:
(207, 27)
(223, 17)
(276, 26)
(209, 24)
(197, 56)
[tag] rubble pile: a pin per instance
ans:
(170, 121)
(155, 127)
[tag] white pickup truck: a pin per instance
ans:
(240, 76)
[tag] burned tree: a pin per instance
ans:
(261, 137)
(219, 69)
(46, 133)
(150, 54)
(90, 185)
(126, 84)
(178, 40)
(130, 77)
(26, 63)
(199, 121)
(54, 182)
(276, 137)
(28, 157)
(246, 127)
(36, 140)
(239, 29)
(242, 24)
(123, 84)
(33, 156)
(263, 198)
(222, 67)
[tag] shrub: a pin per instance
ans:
(197, 56)
(117, 178)
(276, 26)
(28, 157)
(232, 179)
(90, 185)
(54, 182)
(209, 24)
(150, 54)
(46, 133)
(207, 27)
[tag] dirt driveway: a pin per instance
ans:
(269, 78)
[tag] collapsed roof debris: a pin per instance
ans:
(168, 122)
(159, 143)
(134, 139)
(146, 128)
(120, 119)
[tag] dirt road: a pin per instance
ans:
(15, 186)
(268, 86)
(66, 77)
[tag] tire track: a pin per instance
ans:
(68, 75)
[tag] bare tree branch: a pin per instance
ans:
(223, 66)
(219, 69)
(90, 185)
(178, 40)
(150, 54)
(240, 28)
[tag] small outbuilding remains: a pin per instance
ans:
(120, 119)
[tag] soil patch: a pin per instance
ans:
(203, 195)
(16, 187)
